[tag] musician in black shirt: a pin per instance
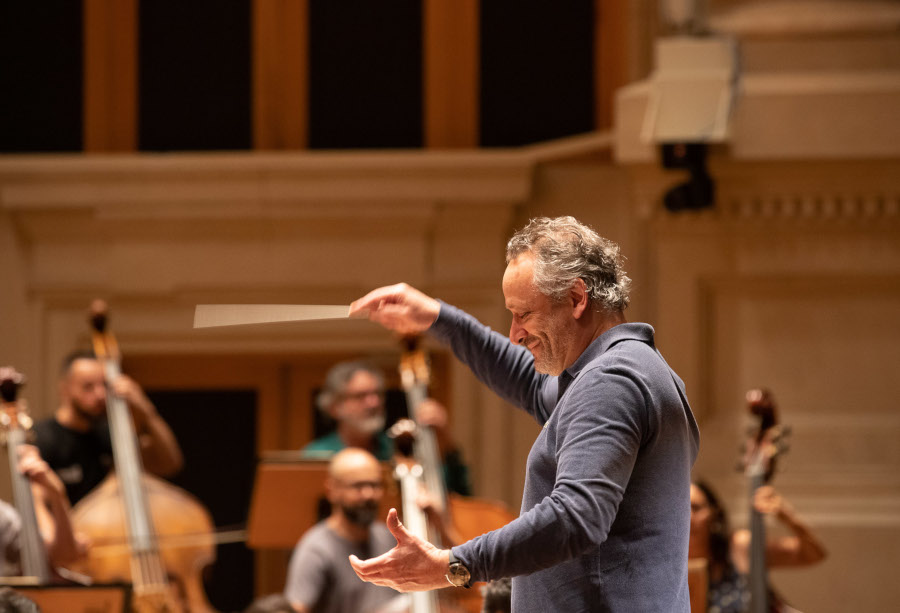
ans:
(75, 442)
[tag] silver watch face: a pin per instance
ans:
(459, 574)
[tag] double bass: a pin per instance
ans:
(767, 442)
(463, 517)
(139, 524)
(423, 471)
(15, 422)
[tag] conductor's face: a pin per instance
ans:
(541, 325)
(84, 388)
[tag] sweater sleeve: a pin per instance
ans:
(593, 442)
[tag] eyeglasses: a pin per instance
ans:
(362, 395)
(361, 485)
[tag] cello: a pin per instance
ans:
(15, 423)
(145, 512)
(765, 445)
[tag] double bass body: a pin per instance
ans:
(183, 532)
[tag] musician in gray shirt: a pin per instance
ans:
(605, 513)
(320, 578)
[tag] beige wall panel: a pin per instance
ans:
(159, 266)
(826, 355)
(860, 574)
(799, 112)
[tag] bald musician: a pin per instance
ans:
(320, 578)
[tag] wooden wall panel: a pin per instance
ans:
(451, 80)
(280, 74)
(110, 75)
(610, 57)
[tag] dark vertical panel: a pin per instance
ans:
(536, 70)
(40, 76)
(217, 433)
(194, 75)
(365, 79)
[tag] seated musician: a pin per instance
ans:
(320, 578)
(353, 396)
(76, 443)
(728, 554)
(51, 509)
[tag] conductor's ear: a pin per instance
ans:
(579, 298)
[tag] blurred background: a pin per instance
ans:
(744, 154)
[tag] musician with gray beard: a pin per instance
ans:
(320, 578)
(353, 396)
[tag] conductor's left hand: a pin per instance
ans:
(414, 565)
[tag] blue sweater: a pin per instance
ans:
(605, 512)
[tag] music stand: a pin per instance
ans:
(287, 491)
(285, 501)
(115, 597)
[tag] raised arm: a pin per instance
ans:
(51, 508)
(160, 451)
(802, 548)
(506, 368)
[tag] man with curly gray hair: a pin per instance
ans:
(555, 255)
(605, 514)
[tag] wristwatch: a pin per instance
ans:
(459, 575)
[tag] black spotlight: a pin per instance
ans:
(698, 192)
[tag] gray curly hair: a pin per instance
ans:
(564, 250)
(338, 377)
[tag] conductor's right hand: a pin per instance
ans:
(400, 308)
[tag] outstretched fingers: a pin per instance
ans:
(375, 300)
(372, 570)
(381, 570)
(413, 565)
